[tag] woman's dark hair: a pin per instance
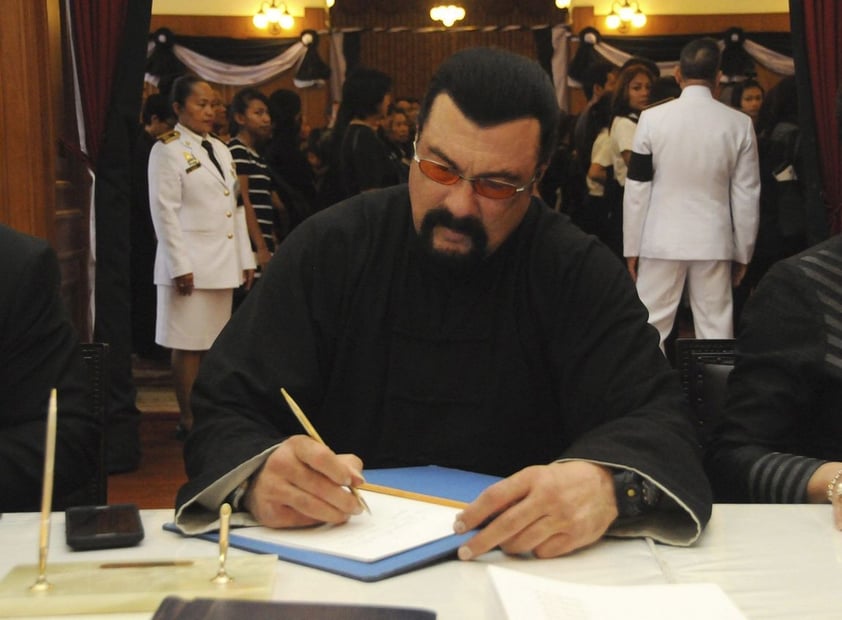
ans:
(363, 91)
(362, 94)
(156, 105)
(493, 86)
(182, 88)
(285, 107)
(599, 117)
(596, 75)
(740, 88)
(240, 103)
(646, 62)
(779, 105)
(317, 143)
(664, 87)
(620, 100)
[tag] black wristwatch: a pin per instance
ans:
(635, 495)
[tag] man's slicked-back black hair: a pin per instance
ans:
(596, 75)
(363, 90)
(158, 105)
(492, 86)
(700, 59)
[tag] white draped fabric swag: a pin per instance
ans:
(772, 60)
(239, 75)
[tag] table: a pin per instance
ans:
(773, 561)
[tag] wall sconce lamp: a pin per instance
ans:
(447, 14)
(329, 3)
(275, 17)
(625, 14)
(563, 4)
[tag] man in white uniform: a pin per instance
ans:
(691, 200)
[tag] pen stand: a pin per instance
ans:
(126, 586)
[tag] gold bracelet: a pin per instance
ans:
(831, 486)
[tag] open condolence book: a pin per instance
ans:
(410, 525)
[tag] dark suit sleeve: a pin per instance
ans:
(39, 351)
(623, 403)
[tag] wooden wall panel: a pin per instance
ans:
(37, 186)
(410, 58)
(27, 158)
(687, 24)
(416, 13)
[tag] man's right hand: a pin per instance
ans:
(184, 284)
(631, 263)
(304, 483)
(738, 272)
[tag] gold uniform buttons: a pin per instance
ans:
(228, 214)
(230, 235)
(227, 193)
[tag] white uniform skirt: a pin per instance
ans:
(191, 322)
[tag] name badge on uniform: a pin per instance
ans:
(192, 162)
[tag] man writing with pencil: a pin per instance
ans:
(456, 322)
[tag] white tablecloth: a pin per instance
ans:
(773, 561)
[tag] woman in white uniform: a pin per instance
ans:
(203, 249)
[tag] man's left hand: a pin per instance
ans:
(738, 272)
(548, 510)
(248, 278)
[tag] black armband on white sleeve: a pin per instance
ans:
(640, 168)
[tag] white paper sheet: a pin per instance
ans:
(395, 524)
(525, 597)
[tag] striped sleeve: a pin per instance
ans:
(779, 478)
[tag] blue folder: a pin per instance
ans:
(430, 480)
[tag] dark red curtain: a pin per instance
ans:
(97, 27)
(822, 31)
(109, 39)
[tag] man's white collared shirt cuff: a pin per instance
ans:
(200, 514)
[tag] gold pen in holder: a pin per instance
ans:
(311, 431)
(222, 576)
(41, 584)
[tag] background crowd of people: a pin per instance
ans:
(279, 174)
(284, 172)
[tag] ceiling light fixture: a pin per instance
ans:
(447, 14)
(274, 16)
(625, 14)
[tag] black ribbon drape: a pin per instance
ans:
(544, 47)
(313, 69)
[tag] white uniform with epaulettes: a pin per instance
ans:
(694, 208)
(201, 231)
